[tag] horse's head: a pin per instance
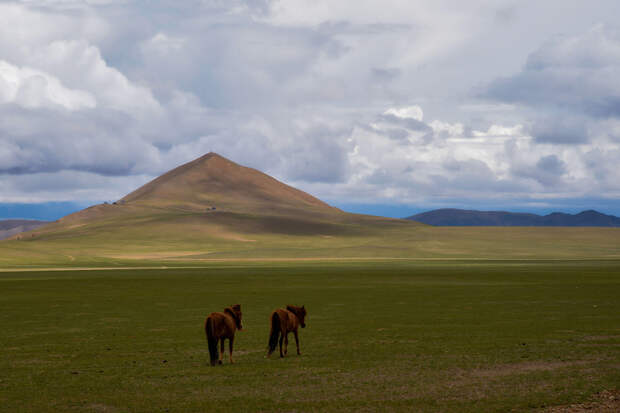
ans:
(236, 309)
(300, 313)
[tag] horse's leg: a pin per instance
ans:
(230, 347)
(286, 343)
(221, 350)
(281, 339)
(297, 341)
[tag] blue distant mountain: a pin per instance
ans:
(461, 217)
(10, 227)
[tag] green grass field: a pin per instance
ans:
(470, 336)
(192, 239)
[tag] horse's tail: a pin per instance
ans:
(212, 341)
(275, 331)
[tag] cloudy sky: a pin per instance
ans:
(388, 107)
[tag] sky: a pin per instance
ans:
(388, 107)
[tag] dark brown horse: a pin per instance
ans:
(284, 321)
(222, 326)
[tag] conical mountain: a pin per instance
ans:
(213, 181)
(209, 208)
(209, 195)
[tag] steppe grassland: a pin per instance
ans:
(381, 336)
(172, 237)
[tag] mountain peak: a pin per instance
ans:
(215, 181)
(212, 156)
(590, 212)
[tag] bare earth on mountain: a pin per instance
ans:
(213, 181)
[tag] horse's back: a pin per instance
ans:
(223, 326)
(282, 314)
(287, 319)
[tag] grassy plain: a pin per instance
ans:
(169, 237)
(467, 336)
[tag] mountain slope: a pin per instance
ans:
(460, 217)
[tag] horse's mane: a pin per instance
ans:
(294, 309)
(231, 312)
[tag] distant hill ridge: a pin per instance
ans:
(10, 227)
(461, 217)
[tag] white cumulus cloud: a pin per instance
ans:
(409, 112)
(33, 89)
(83, 66)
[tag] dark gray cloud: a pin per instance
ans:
(603, 164)
(317, 156)
(571, 73)
(551, 164)
(398, 134)
(91, 141)
(506, 14)
(385, 74)
(567, 129)
(547, 171)
(407, 123)
(471, 175)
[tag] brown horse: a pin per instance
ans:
(284, 321)
(222, 326)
